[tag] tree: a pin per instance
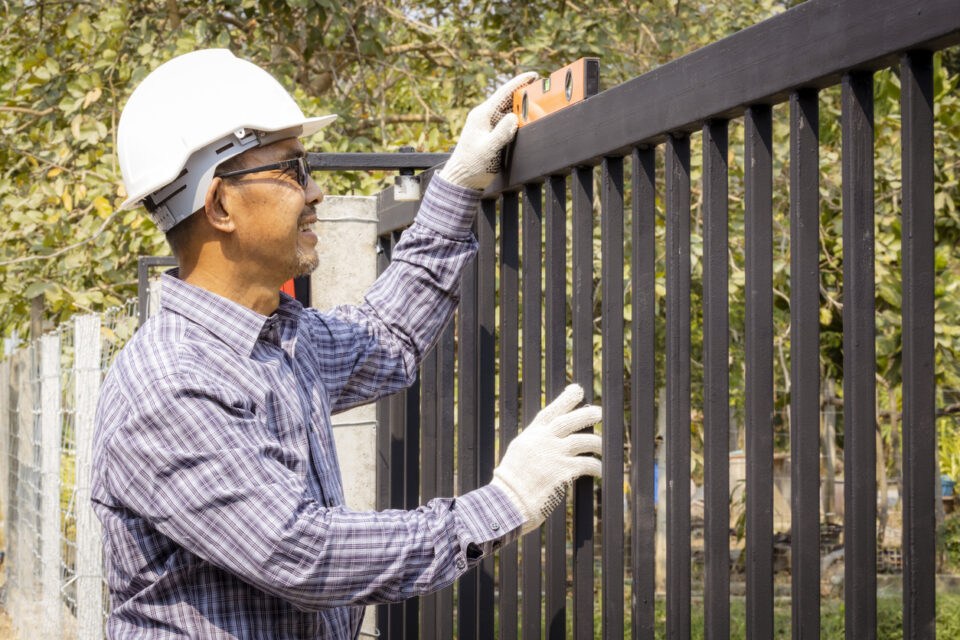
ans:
(398, 73)
(406, 73)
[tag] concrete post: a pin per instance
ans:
(50, 531)
(5, 394)
(86, 381)
(28, 543)
(347, 228)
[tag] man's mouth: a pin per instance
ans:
(305, 228)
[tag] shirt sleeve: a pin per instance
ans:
(373, 349)
(210, 475)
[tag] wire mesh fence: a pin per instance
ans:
(50, 540)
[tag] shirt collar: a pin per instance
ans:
(237, 326)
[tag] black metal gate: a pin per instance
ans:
(505, 369)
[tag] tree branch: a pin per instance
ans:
(62, 167)
(402, 118)
(234, 22)
(397, 49)
(64, 250)
(32, 112)
(949, 410)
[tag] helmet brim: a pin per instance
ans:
(312, 125)
(306, 128)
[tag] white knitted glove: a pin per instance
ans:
(489, 127)
(548, 455)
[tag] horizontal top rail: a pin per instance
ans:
(810, 45)
(395, 215)
(325, 161)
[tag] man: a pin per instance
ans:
(215, 474)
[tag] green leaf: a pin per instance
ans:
(826, 316)
(35, 289)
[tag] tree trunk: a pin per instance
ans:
(830, 448)
(895, 423)
(173, 14)
(881, 486)
(938, 492)
(36, 317)
(661, 535)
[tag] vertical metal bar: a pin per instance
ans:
(383, 436)
(919, 420)
(411, 446)
(758, 228)
(643, 390)
(383, 409)
(805, 362)
(397, 432)
(467, 343)
(611, 250)
(678, 386)
(716, 387)
(582, 309)
(411, 498)
(531, 297)
(396, 422)
(509, 389)
(397, 413)
(445, 456)
(859, 360)
(555, 372)
(428, 471)
(486, 377)
(143, 290)
(301, 290)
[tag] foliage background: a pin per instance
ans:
(406, 72)
(397, 73)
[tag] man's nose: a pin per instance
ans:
(313, 192)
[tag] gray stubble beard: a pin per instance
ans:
(306, 262)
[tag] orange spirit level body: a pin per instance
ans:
(573, 83)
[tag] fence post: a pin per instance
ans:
(5, 449)
(25, 496)
(50, 422)
(347, 226)
(11, 395)
(89, 565)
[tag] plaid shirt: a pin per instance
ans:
(215, 474)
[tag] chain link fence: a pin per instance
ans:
(53, 585)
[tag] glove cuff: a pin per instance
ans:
(463, 176)
(531, 520)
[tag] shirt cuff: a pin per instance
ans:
(487, 520)
(448, 209)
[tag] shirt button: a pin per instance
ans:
(461, 564)
(495, 525)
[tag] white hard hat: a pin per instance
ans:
(191, 114)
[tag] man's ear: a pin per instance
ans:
(213, 209)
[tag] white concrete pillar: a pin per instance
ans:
(347, 228)
(87, 374)
(23, 600)
(51, 420)
(5, 462)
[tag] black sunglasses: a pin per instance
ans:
(299, 163)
